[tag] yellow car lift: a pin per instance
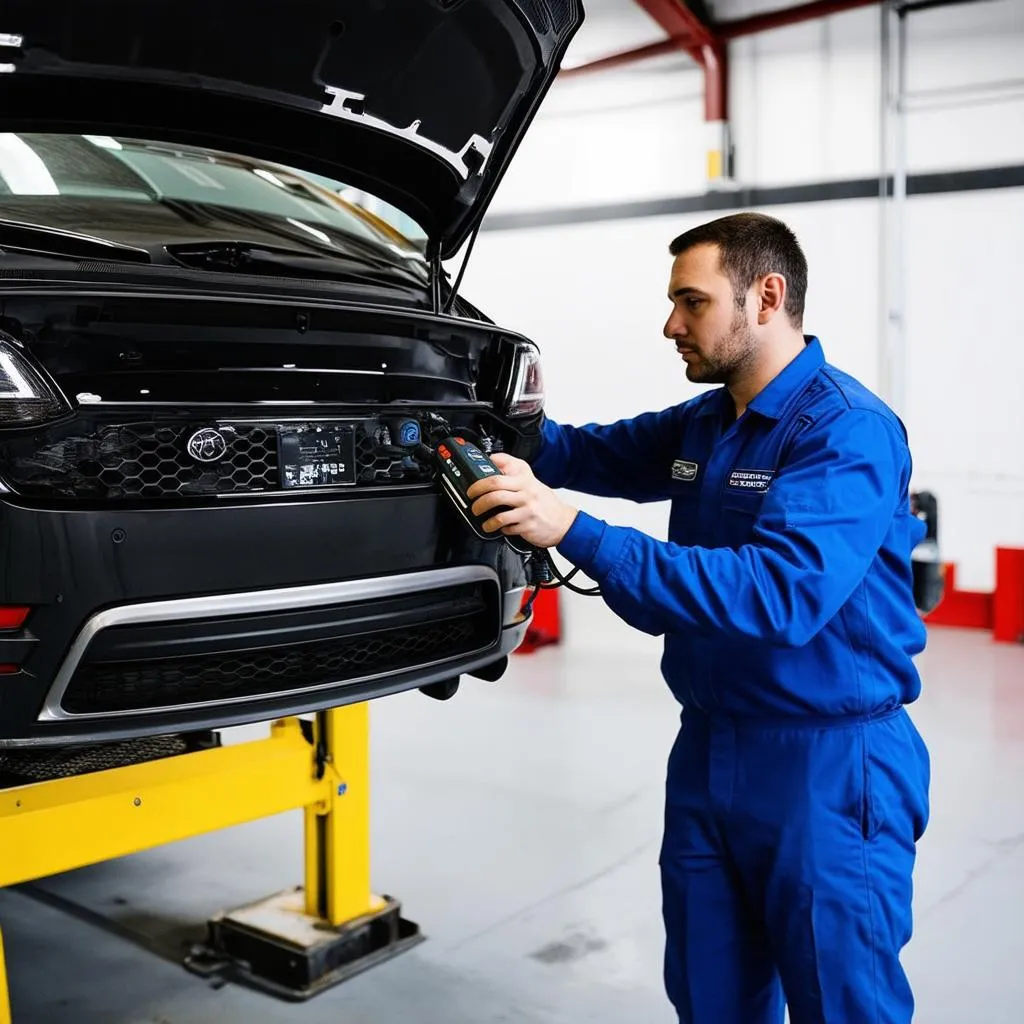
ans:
(293, 944)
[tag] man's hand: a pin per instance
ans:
(535, 513)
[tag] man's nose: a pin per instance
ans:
(674, 327)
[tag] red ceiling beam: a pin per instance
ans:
(679, 23)
(687, 32)
(714, 61)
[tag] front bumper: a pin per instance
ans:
(156, 621)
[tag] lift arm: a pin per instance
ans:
(294, 944)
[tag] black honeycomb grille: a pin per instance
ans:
(379, 464)
(149, 460)
(149, 463)
(127, 686)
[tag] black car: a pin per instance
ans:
(227, 341)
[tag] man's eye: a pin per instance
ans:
(694, 303)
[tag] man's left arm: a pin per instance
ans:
(820, 527)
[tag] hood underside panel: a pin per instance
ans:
(421, 101)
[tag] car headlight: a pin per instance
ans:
(27, 398)
(526, 393)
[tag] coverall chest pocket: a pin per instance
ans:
(739, 512)
(683, 524)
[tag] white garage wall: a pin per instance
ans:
(804, 108)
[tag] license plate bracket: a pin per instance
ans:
(313, 455)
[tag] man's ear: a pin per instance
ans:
(771, 297)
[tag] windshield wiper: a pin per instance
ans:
(337, 244)
(240, 257)
(37, 239)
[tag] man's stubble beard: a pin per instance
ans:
(733, 353)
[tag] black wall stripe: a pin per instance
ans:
(934, 183)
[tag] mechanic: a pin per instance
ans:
(797, 788)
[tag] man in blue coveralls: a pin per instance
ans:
(798, 785)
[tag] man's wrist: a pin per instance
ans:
(568, 518)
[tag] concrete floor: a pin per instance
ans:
(519, 824)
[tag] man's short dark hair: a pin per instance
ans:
(753, 245)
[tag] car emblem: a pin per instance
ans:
(207, 445)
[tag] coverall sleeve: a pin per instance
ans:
(820, 526)
(629, 459)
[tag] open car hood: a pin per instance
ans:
(420, 102)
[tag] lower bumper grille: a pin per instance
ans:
(23, 767)
(100, 687)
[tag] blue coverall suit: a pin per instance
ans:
(798, 785)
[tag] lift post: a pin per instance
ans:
(296, 943)
(338, 828)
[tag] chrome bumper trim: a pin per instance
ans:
(250, 603)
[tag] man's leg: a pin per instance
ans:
(718, 966)
(838, 812)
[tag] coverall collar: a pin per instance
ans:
(772, 400)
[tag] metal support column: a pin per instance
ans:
(892, 207)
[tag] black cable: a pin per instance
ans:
(565, 581)
(528, 606)
(575, 570)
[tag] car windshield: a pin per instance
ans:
(92, 169)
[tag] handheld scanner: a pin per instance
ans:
(462, 464)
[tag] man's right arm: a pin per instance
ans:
(629, 459)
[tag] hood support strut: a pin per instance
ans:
(436, 273)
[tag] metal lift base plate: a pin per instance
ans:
(275, 947)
